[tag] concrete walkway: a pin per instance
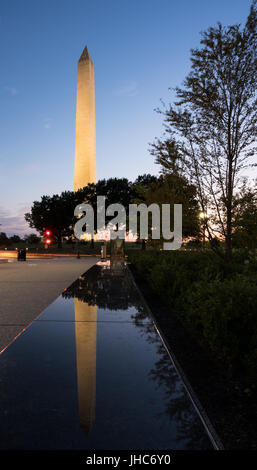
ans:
(27, 288)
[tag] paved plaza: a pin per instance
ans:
(27, 288)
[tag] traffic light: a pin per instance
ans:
(48, 240)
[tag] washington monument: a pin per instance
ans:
(85, 145)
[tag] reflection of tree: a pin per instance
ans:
(106, 288)
(114, 289)
(178, 405)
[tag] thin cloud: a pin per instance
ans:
(47, 123)
(29, 169)
(14, 223)
(128, 89)
(13, 91)
(3, 213)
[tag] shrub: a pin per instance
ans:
(218, 300)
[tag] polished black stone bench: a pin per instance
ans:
(92, 372)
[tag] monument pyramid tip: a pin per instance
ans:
(85, 55)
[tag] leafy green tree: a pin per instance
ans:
(145, 180)
(116, 190)
(167, 154)
(15, 239)
(32, 239)
(212, 126)
(4, 240)
(172, 189)
(55, 213)
(245, 217)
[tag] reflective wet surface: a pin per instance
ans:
(92, 373)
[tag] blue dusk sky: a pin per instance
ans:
(140, 48)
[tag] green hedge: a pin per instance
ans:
(218, 300)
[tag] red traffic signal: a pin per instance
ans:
(48, 240)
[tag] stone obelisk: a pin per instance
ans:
(85, 141)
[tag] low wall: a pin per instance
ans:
(13, 254)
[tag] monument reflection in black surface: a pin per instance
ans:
(108, 287)
(86, 339)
